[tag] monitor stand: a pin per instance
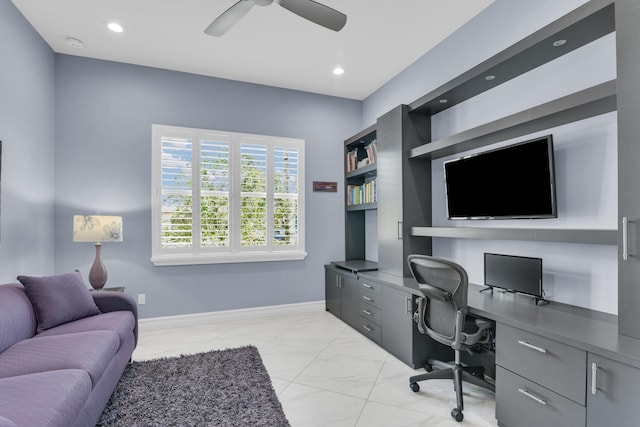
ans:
(537, 300)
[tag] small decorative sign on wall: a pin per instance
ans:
(325, 186)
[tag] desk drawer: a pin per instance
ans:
(369, 292)
(522, 403)
(369, 329)
(373, 314)
(554, 365)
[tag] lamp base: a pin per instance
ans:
(98, 274)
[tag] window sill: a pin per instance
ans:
(174, 259)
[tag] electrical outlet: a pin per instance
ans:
(142, 299)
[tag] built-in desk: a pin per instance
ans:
(556, 364)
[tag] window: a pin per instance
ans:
(221, 197)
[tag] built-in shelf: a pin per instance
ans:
(362, 207)
(363, 172)
(584, 236)
(596, 100)
(356, 265)
(578, 28)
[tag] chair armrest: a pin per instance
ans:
(435, 293)
(480, 336)
(108, 301)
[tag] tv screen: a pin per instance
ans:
(513, 273)
(516, 181)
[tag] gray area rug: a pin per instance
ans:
(217, 388)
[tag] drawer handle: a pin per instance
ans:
(367, 328)
(532, 347)
(532, 396)
(625, 238)
(368, 286)
(367, 312)
(366, 298)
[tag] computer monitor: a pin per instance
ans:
(514, 273)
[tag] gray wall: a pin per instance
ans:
(586, 152)
(27, 132)
(103, 163)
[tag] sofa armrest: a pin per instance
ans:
(4, 422)
(117, 301)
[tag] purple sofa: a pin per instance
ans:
(61, 374)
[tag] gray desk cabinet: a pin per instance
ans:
(397, 325)
(628, 99)
(403, 199)
(341, 294)
(614, 400)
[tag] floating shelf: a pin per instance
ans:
(596, 100)
(585, 236)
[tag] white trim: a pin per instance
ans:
(226, 258)
(185, 320)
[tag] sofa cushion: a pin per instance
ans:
(59, 299)
(17, 319)
(45, 399)
(90, 351)
(121, 322)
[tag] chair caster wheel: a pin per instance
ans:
(457, 414)
(415, 387)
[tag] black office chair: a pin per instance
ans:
(441, 314)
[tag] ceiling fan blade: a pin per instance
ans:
(229, 18)
(316, 12)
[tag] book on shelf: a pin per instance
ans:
(362, 194)
(360, 156)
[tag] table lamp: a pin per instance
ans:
(98, 229)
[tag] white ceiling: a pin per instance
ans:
(270, 46)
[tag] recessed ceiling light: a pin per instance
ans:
(443, 101)
(115, 27)
(559, 43)
(74, 43)
(338, 71)
(489, 77)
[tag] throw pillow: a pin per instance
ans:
(59, 299)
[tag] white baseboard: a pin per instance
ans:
(184, 320)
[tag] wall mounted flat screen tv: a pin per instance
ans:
(516, 181)
(514, 273)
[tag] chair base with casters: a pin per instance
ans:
(437, 370)
(441, 314)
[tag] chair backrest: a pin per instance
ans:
(444, 284)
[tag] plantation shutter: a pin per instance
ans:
(177, 213)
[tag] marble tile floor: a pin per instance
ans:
(327, 374)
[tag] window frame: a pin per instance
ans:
(234, 252)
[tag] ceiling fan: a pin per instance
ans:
(307, 9)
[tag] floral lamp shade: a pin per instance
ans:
(97, 228)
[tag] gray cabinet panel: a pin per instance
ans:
(397, 323)
(400, 335)
(332, 291)
(390, 192)
(523, 403)
(615, 402)
(549, 363)
(349, 299)
(341, 294)
(628, 63)
(404, 189)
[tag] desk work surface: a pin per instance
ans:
(589, 330)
